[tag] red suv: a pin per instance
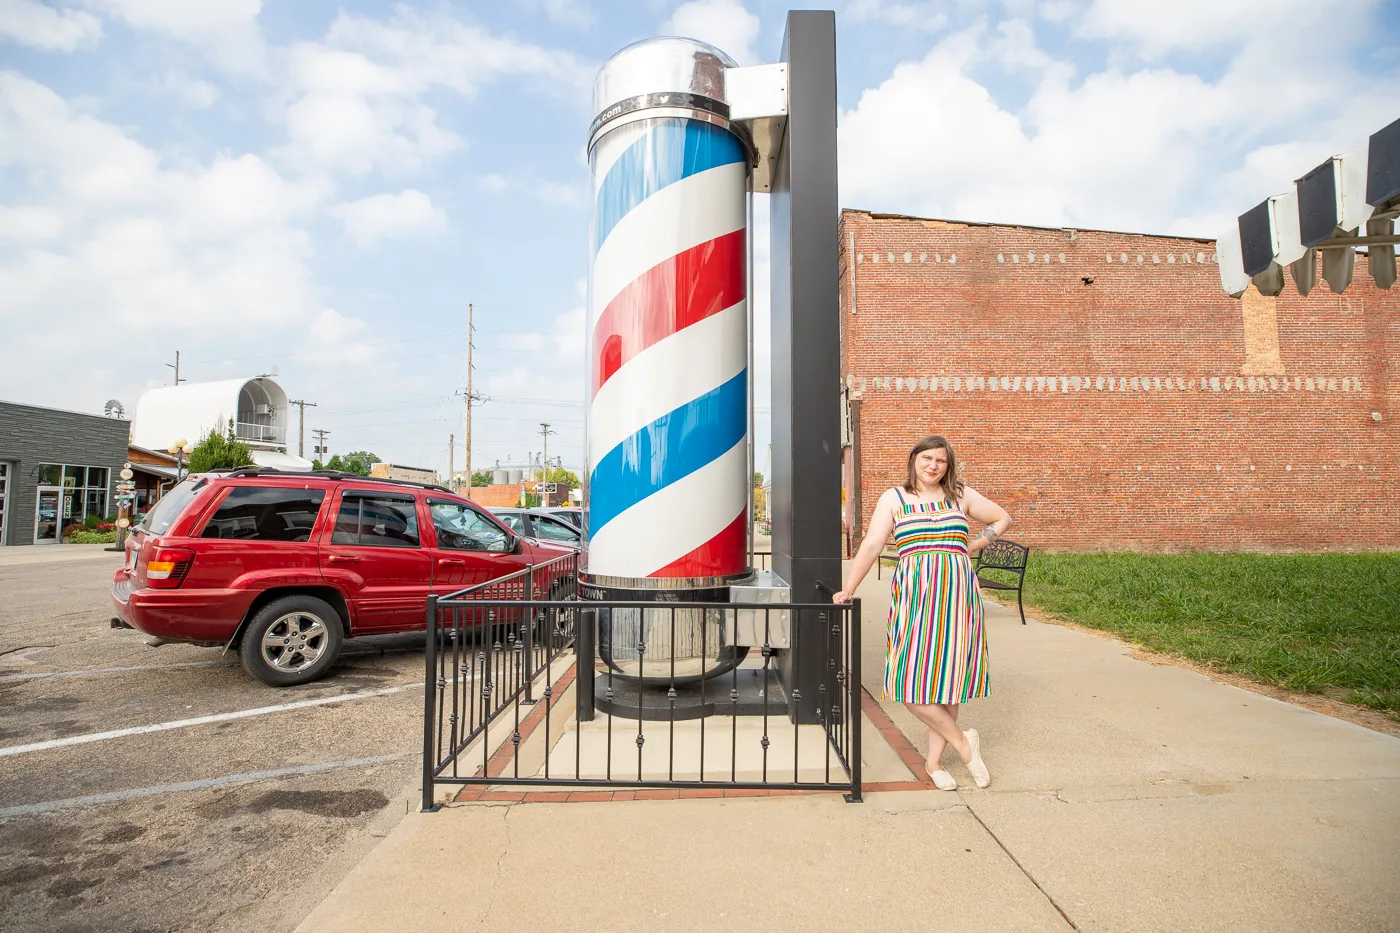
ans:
(286, 566)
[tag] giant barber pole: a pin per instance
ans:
(669, 461)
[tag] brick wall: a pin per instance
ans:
(1143, 409)
(499, 495)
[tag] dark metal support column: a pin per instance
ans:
(585, 651)
(430, 695)
(806, 336)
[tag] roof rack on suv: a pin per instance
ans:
(333, 474)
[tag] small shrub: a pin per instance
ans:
(92, 537)
(90, 522)
(72, 529)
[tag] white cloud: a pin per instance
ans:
(577, 14)
(120, 246)
(1201, 24)
(196, 92)
(493, 183)
(725, 24)
(395, 216)
(31, 23)
(26, 224)
(353, 101)
(928, 17)
(1138, 148)
(226, 30)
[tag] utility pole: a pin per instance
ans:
(468, 466)
(301, 424)
(544, 459)
(176, 367)
(320, 442)
(471, 398)
(452, 442)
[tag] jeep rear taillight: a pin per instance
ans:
(167, 567)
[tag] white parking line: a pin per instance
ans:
(363, 652)
(49, 806)
(197, 721)
(93, 672)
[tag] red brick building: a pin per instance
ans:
(1104, 388)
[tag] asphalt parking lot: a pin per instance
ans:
(117, 813)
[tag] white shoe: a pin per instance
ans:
(943, 780)
(976, 766)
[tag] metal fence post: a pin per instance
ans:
(530, 640)
(854, 702)
(585, 650)
(429, 705)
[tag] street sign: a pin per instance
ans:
(547, 488)
(126, 473)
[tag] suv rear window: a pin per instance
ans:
(159, 519)
(266, 513)
(376, 521)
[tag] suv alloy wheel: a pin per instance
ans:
(292, 640)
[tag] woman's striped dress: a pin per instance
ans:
(937, 643)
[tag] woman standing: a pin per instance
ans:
(937, 644)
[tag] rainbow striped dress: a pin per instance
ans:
(937, 642)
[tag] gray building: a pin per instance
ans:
(56, 468)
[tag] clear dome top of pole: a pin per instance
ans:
(641, 76)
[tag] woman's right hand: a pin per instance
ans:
(844, 596)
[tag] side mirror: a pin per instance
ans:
(518, 545)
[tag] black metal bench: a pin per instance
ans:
(1007, 556)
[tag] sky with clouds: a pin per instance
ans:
(323, 187)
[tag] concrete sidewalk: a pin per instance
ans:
(57, 553)
(1125, 796)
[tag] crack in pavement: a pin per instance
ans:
(500, 868)
(1017, 862)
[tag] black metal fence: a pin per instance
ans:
(683, 694)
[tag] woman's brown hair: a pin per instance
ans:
(952, 484)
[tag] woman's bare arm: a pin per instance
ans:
(996, 518)
(881, 524)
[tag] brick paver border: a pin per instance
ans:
(502, 757)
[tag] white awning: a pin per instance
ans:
(279, 461)
(166, 471)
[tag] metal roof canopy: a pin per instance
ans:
(1324, 212)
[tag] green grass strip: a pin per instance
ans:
(1314, 623)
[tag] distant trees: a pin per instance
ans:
(357, 462)
(566, 479)
(220, 451)
(364, 456)
(481, 477)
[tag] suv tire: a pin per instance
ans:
(292, 640)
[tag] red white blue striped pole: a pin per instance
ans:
(667, 495)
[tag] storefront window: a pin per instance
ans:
(84, 489)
